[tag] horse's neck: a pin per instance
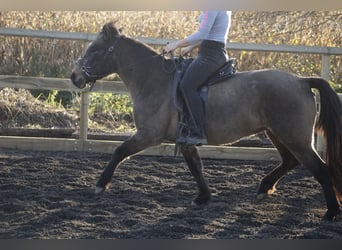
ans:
(138, 66)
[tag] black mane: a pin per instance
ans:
(110, 31)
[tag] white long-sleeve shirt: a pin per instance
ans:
(213, 25)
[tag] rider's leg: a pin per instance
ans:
(212, 55)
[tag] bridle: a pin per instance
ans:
(81, 62)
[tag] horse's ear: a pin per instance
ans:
(117, 31)
(109, 30)
(106, 31)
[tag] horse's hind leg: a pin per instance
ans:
(300, 148)
(195, 165)
(133, 145)
(309, 158)
(269, 182)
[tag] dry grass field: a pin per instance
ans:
(24, 55)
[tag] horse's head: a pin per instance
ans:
(99, 58)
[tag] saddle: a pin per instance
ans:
(225, 72)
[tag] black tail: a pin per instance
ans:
(330, 122)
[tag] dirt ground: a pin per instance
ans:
(50, 195)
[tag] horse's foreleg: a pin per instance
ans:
(130, 147)
(195, 165)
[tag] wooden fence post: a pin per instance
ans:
(325, 70)
(84, 119)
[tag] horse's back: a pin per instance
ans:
(256, 100)
(261, 89)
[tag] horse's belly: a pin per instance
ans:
(232, 113)
(230, 127)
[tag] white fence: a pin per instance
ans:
(83, 144)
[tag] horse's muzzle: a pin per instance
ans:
(78, 81)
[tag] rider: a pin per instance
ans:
(211, 38)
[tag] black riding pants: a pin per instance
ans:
(211, 57)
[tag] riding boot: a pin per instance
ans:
(193, 132)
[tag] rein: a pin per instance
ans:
(173, 62)
(87, 70)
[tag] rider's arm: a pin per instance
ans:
(205, 26)
(189, 48)
(207, 20)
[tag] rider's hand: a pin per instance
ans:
(170, 47)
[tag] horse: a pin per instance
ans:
(280, 103)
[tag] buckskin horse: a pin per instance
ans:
(280, 103)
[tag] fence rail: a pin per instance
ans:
(325, 52)
(83, 144)
(160, 41)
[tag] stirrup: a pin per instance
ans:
(195, 141)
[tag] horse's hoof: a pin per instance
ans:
(201, 201)
(333, 216)
(99, 190)
(193, 204)
(261, 197)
